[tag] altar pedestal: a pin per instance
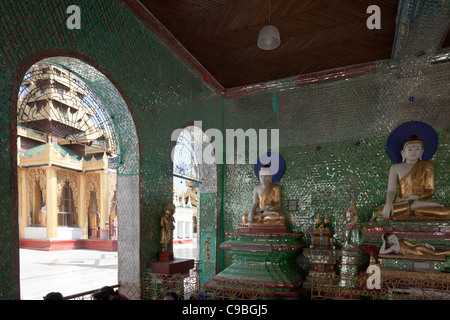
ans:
(436, 233)
(166, 276)
(323, 265)
(412, 275)
(264, 257)
(181, 266)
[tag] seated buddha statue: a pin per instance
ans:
(406, 248)
(415, 181)
(266, 202)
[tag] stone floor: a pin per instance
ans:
(74, 271)
(65, 271)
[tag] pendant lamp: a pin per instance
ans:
(269, 36)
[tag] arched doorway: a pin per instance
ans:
(195, 196)
(125, 199)
(186, 191)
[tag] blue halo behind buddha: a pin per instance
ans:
(281, 166)
(401, 134)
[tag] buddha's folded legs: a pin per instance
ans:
(402, 211)
(256, 218)
(433, 212)
(273, 218)
(266, 219)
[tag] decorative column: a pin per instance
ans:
(23, 202)
(51, 202)
(104, 205)
(82, 212)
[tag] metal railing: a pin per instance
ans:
(419, 288)
(193, 287)
(87, 295)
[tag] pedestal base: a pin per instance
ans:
(165, 256)
(413, 263)
(264, 258)
(181, 266)
(166, 276)
(436, 233)
(323, 265)
(412, 276)
(263, 227)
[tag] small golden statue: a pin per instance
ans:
(322, 232)
(266, 202)
(167, 226)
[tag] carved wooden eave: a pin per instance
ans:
(31, 134)
(94, 164)
(49, 156)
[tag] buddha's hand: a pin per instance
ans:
(387, 210)
(429, 246)
(410, 197)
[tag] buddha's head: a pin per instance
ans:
(412, 149)
(265, 175)
(390, 238)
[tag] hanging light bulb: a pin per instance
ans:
(269, 36)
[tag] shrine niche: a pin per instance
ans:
(322, 254)
(263, 249)
(37, 191)
(408, 237)
(67, 197)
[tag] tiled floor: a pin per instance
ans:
(74, 271)
(66, 271)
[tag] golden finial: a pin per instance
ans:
(352, 207)
(318, 221)
(326, 220)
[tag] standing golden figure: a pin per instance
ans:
(167, 226)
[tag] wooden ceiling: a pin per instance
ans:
(316, 35)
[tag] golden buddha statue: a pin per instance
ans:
(406, 248)
(167, 226)
(266, 202)
(415, 181)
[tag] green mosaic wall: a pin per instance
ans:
(333, 140)
(332, 135)
(208, 234)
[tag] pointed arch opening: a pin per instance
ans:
(195, 197)
(74, 119)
